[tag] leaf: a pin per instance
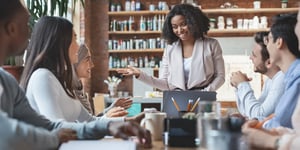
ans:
(39, 8)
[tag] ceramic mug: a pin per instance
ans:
(154, 122)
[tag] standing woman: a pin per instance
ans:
(191, 61)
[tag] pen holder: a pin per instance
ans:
(181, 113)
(187, 115)
(181, 132)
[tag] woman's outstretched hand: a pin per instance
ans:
(129, 71)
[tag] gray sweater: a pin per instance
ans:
(23, 128)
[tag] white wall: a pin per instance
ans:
(236, 45)
(236, 51)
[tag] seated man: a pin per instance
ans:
(273, 88)
(279, 138)
(282, 45)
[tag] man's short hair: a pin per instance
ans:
(8, 8)
(259, 39)
(284, 27)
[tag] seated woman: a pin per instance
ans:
(83, 71)
(48, 75)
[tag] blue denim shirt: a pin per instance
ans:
(288, 101)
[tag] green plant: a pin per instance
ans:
(39, 8)
(14, 61)
(10, 61)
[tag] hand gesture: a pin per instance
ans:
(116, 112)
(122, 102)
(258, 137)
(64, 135)
(238, 77)
(125, 129)
(129, 71)
(137, 118)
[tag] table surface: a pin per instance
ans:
(158, 145)
(108, 141)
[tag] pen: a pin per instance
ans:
(195, 104)
(189, 106)
(176, 106)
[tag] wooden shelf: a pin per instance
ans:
(137, 13)
(159, 50)
(211, 11)
(115, 69)
(133, 32)
(211, 32)
(249, 10)
(234, 32)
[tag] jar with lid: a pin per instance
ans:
(112, 7)
(212, 23)
(118, 7)
(221, 22)
(127, 5)
(284, 3)
(229, 23)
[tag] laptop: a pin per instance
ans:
(182, 98)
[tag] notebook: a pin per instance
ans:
(99, 144)
(182, 98)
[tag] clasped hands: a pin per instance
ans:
(238, 77)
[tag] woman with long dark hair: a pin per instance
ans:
(48, 75)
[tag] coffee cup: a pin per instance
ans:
(154, 122)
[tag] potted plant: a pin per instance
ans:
(39, 8)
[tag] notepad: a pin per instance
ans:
(99, 144)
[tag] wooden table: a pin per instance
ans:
(158, 145)
(113, 143)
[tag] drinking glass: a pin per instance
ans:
(209, 118)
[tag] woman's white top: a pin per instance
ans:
(187, 68)
(47, 96)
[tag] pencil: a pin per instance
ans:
(189, 106)
(195, 104)
(175, 104)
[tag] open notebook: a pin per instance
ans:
(99, 144)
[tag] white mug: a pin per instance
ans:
(154, 122)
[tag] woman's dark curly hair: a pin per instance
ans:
(197, 21)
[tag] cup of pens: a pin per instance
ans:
(189, 108)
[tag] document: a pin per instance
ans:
(111, 144)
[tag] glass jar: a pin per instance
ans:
(284, 3)
(112, 7)
(212, 23)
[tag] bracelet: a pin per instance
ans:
(277, 143)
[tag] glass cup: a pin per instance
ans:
(209, 118)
